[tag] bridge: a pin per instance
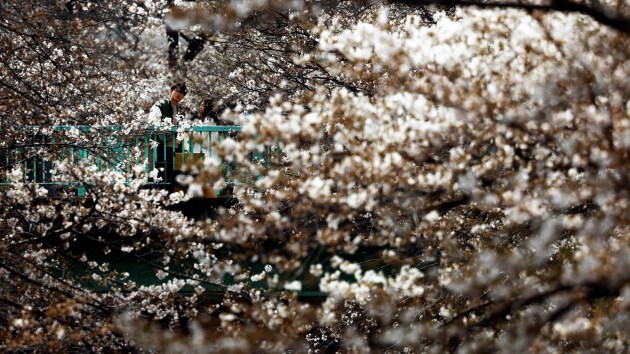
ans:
(36, 151)
(174, 150)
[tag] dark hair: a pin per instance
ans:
(180, 86)
(208, 107)
(213, 108)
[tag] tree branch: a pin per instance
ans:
(603, 15)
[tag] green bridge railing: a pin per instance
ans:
(119, 148)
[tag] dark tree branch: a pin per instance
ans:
(603, 15)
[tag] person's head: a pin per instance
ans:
(205, 107)
(178, 91)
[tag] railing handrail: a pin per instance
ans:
(186, 151)
(166, 129)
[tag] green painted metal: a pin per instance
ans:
(111, 148)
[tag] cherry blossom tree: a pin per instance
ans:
(483, 171)
(449, 179)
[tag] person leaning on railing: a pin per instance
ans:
(210, 111)
(206, 110)
(170, 108)
(170, 111)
